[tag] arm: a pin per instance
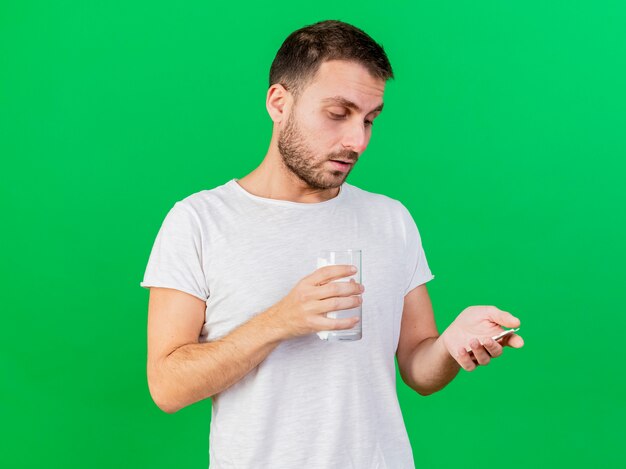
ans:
(429, 361)
(181, 371)
(423, 361)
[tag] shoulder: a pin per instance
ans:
(378, 201)
(388, 211)
(206, 201)
(200, 211)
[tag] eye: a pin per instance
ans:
(336, 116)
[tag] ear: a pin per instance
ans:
(277, 102)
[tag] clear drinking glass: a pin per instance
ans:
(338, 257)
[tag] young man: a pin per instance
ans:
(235, 300)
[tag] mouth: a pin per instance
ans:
(341, 165)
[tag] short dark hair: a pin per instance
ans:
(300, 56)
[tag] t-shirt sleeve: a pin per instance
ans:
(176, 257)
(417, 265)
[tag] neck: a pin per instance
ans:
(273, 180)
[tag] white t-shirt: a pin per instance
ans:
(311, 403)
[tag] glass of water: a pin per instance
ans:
(338, 257)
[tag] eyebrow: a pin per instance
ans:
(349, 104)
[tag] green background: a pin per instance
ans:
(503, 133)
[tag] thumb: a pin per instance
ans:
(505, 319)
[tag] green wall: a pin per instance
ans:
(503, 133)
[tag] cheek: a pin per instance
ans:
(334, 130)
(324, 136)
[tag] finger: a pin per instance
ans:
(493, 348)
(504, 318)
(333, 289)
(482, 357)
(513, 340)
(329, 273)
(463, 358)
(338, 303)
(329, 324)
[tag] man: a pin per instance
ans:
(235, 300)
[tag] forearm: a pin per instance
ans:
(194, 372)
(431, 367)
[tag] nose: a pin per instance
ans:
(356, 138)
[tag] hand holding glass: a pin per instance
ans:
(348, 257)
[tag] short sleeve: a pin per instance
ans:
(418, 271)
(176, 257)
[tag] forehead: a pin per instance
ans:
(350, 80)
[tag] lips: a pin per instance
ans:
(340, 165)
